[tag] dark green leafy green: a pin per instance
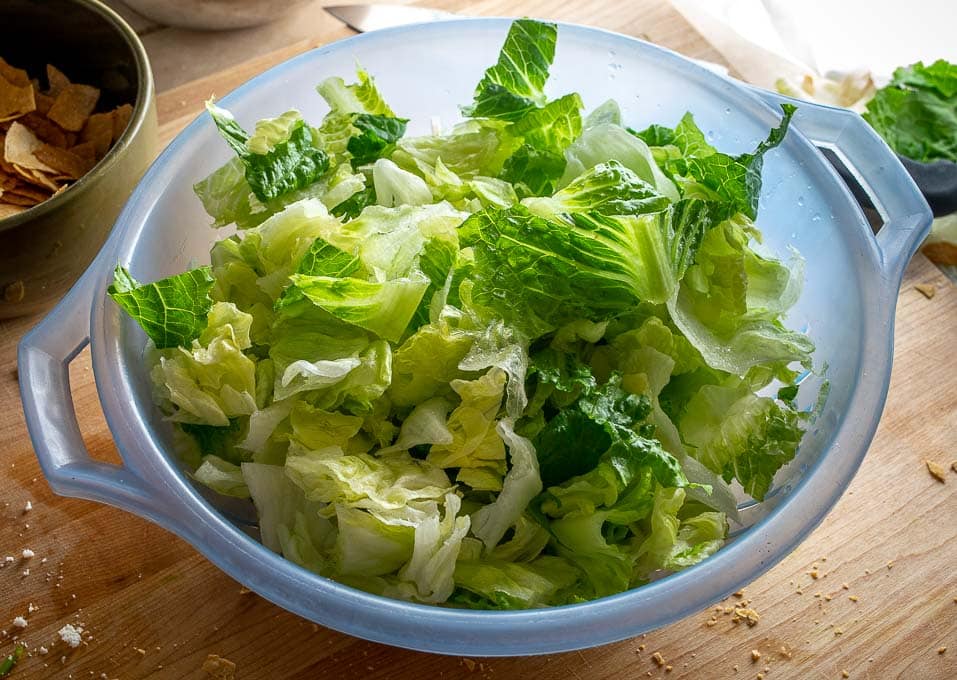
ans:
(172, 311)
(735, 180)
(376, 137)
(608, 188)
(916, 113)
(288, 165)
(655, 135)
(538, 273)
(355, 204)
(515, 84)
(8, 662)
(217, 441)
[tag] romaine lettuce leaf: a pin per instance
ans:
(607, 142)
(213, 380)
(435, 550)
(427, 362)
(376, 136)
(489, 584)
(172, 311)
(360, 97)
(384, 308)
(361, 480)
(607, 188)
(538, 274)
(290, 164)
(222, 477)
(740, 435)
(475, 442)
(717, 306)
(286, 518)
(915, 112)
(521, 484)
(515, 84)
(735, 180)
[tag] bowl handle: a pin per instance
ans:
(876, 168)
(43, 359)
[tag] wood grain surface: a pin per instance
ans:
(882, 606)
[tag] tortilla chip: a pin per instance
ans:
(15, 75)
(121, 118)
(44, 102)
(63, 161)
(6, 167)
(38, 178)
(58, 81)
(8, 180)
(16, 199)
(27, 191)
(15, 100)
(45, 130)
(19, 146)
(73, 106)
(85, 151)
(99, 131)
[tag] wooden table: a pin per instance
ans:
(885, 601)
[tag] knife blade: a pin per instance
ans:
(364, 18)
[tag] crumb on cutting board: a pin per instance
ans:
(928, 290)
(936, 470)
(746, 614)
(220, 668)
(658, 659)
(70, 634)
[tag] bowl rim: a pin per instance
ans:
(144, 96)
(482, 632)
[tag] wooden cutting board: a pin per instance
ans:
(884, 602)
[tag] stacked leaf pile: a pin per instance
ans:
(513, 365)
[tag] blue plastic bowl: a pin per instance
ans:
(847, 306)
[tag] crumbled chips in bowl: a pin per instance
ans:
(49, 138)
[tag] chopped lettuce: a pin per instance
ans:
(525, 362)
(916, 113)
(515, 84)
(284, 163)
(171, 311)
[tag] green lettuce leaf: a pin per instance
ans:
(384, 308)
(731, 301)
(430, 571)
(172, 311)
(546, 132)
(287, 165)
(522, 483)
(915, 113)
(741, 435)
(364, 481)
(360, 97)
(491, 584)
(222, 477)
(538, 274)
(377, 135)
(213, 380)
(427, 362)
(475, 443)
(607, 188)
(607, 142)
(735, 180)
(515, 84)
